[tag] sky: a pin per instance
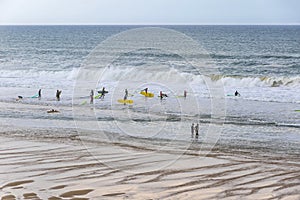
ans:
(149, 12)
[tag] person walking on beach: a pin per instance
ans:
(92, 97)
(192, 129)
(40, 94)
(197, 129)
(58, 92)
(126, 94)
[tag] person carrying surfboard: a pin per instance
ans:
(162, 95)
(40, 94)
(102, 92)
(237, 93)
(146, 90)
(126, 94)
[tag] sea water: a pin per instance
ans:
(260, 62)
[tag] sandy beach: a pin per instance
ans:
(35, 168)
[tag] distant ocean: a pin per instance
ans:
(261, 62)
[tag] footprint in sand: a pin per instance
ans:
(75, 193)
(113, 194)
(30, 196)
(58, 187)
(16, 183)
(8, 197)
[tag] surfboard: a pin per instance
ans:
(100, 92)
(297, 110)
(232, 95)
(35, 96)
(52, 111)
(83, 103)
(149, 94)
(129, 101)
(98, 96)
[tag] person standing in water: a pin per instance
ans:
(146, 90)
(184, 93)
(237, 93)
(102, 92)
(40, 94)
(162, 95)
(126, 94)
(192, 129)
(92, 97)
(58, 92)
(197, 129)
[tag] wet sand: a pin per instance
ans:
(33, 168)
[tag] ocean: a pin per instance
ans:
(262, 63)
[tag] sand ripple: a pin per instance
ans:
(47, 170)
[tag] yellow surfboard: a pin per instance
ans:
(128, 101)
(148, 94)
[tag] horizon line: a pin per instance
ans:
(147, 24)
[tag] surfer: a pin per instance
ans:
(40, 94)
(92, 97)
(184, 93)
(237, 93)
(146, 90)
(58, 92)
(162, 95)
(126, 94)
(102, 92)
(197, 129)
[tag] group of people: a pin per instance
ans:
(39, 95)
(162, 95)
(103, 92)
(100, 96)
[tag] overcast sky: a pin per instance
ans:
(149, 11)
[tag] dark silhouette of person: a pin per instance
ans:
(102, 92)
(126, 94)
(146, 90)
(92, 97)
(197, 129)
(40, 94)
(162, 95)
(184, 93)
(58, 93)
